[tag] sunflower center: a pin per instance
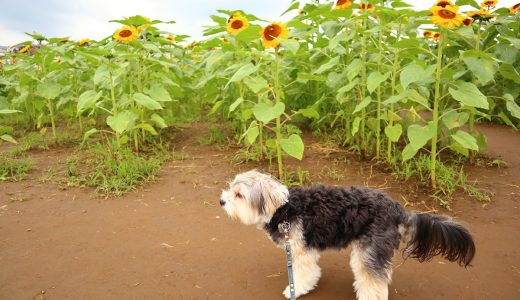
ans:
(237, 24)
(125, 33)
(272, 31)
(447, 14)
(340, 2)
(489, 3)
(516, 6)
(443, 4)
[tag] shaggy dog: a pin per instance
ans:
(330, 217)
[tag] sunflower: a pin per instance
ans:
(272, 32)
(514, 9)
(170, 38)
(343, 4)
(436, 36)
(446, 16)
(427, 34)
(367, 6)
(481, 14)
(467, 21)
(237, 23)
(489, 3)
(25, 49)
(444, 3)
(83, 42)
(126, 34)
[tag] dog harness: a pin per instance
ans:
(284, 229)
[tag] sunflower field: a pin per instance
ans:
(387, 81)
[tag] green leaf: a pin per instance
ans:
(265, 113)
(147, 127)
(88, 134)
(49, 90)
(158, 93)
(414, 73)
(146, 101)
(408, 152)
(8, 138)
(355, 125)
(330, 64)
(375, 79)
(362, 104)
(293, 146)
(417, 98)
(465, 139)
(509, 72)
(420, 135)
(242, 72)
(481, 65)
(8, 111)
(249, 34)
(87, 100)
(513, 108)
(354, 68)
(255, 84)
(252, 133)
(122, 122)
(159, 121)
(102, 75)
(234, 105)
(291, 45)
(468, 94)
(394, 132)
(307, 76)
(310, 112)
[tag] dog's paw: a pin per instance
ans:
(287, 292)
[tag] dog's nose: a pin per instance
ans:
(222, 203)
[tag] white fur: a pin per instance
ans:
(367, 285)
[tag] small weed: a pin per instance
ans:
(113, 171)
(14, 169)
(20, 198)
(449, 178)
(299, 177)
(246, 155)
(217, 135)
(497, 163)
(332, 173)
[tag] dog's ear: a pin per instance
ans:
(273, 195)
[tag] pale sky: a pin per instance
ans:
(89, 18)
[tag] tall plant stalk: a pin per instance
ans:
(433, 153)
(278, 128)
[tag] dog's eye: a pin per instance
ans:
(238, 195)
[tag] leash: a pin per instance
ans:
(284, 228)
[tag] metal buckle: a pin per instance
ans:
(284, 227)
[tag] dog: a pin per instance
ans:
(331, 217)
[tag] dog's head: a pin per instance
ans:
(253, 197)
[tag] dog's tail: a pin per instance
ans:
(431, 235)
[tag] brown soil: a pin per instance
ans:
(171, 240)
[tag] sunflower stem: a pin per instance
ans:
(278, 129)
(433, 152)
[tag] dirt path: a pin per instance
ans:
(171, 240)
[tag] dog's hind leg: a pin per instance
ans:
(372, 271)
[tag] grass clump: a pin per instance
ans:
(14, 169)
(114, 171)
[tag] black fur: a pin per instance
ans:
(332, 217)
(438, 235)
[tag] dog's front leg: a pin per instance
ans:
(306, 271)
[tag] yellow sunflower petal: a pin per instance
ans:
(272, 33)
(126, 34)
(343, 4)
(514, 9)
(489, 3)
(236, 24)
(446, 16)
